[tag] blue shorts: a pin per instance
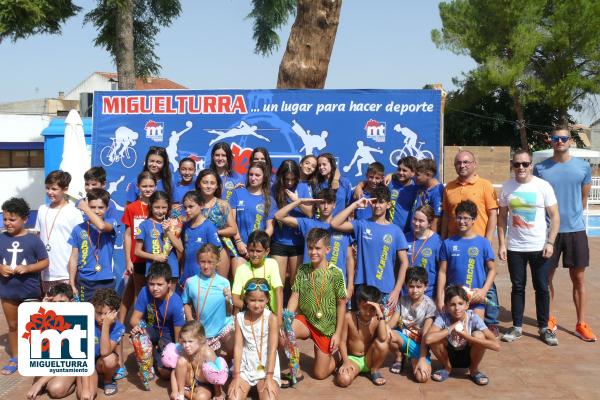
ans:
(86, 289)
(410, 348)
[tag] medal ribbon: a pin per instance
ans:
(199, 312)
(160, 329)
(415, 254)
(259, 349)
(314, 287)
(97, 247)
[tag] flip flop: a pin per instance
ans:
(11, 369)
(480, 379)
(120, 374)
(442, 373)
(396, 367)
(110, 389)
(375, 378)
(287, 377)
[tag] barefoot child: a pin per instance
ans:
(190, 380)
(256, 336)
(23, 256)
(411, 321)
(459, 338)
(57, 387)
(319, 298)
(208, 296)
(162, 310)
(364, 344)
(108, 331)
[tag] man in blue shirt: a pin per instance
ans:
(571, 180)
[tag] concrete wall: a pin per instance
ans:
(92, 83)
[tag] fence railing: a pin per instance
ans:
(593, 198)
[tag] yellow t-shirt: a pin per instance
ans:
(269, 271)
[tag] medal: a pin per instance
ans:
(260, 368)
(319, 315)
(97, 268)
(259, 345)
(48, 248)
(49, 232)
(318, 296)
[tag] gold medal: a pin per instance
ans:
(319, 315)
(97, 268)
(260, 368)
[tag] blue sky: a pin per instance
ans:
(379, 44)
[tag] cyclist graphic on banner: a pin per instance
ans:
(410, 146)
(121, 148)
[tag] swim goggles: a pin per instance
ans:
(261, 286)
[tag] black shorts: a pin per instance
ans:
(139, 268)
(286, 251)
(574, 249)
(459, 358)
(87, 288)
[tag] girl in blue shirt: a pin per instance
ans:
(157, 163)
(207, 296)
(197, 231)
(221, 161)
(328, 177)
(218, 211)
(253, 209)
(308, 167)
(153, 241)
(261, 154)
(187, 171)
(424, 247)
(287, 245)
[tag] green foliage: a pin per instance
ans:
(269, 15)
(22, 18)
(485, 117)
(541, 52)
(148, 17)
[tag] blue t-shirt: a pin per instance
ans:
(364, 213)
(283, 234)
(229, 182)
(250, 213)
(432, 197)
(214, 309)
(343, 195)
(174, 317)
(567, 179)
(339, 243)
(152, 236)
(426, 254)
(193, 239)
(180, 190)
(466, 260)
(21, 250)
(117, 330)
(132, 193)
(95, 252)
(377, 246)
(401, 204)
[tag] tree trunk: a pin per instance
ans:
(309, 47)
(124, 46)
(520, 120)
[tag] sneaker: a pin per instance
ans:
(552, 323)
(584, 332)
(548, 337)
(495, 331)
(513, 334)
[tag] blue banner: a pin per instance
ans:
(357, 126)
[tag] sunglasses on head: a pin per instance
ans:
(524, 164)
(562, 139)
(157, 148)
(253, 286)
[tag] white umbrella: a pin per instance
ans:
(75, 157)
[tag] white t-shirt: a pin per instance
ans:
(64, 220)
(527, 204)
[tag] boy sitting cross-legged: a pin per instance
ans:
(364, 339)
(162, 309)
(319, 297)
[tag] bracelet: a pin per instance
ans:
(269, 373)
(550, 243)
(238, 241)
(382, 318)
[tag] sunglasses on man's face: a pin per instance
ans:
(524, 164)
(562, 139)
